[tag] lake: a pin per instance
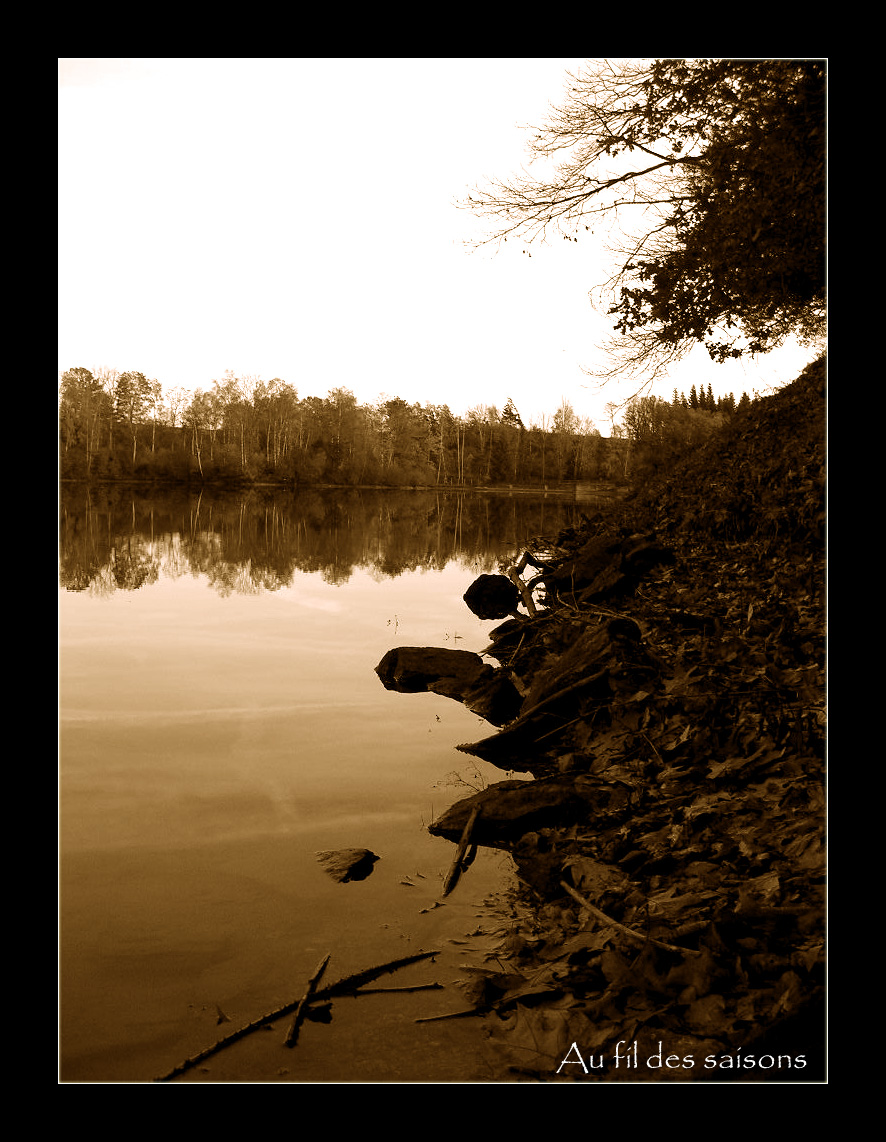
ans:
(220, 724)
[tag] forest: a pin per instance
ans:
(122, 426)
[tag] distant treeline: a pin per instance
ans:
(121, 426)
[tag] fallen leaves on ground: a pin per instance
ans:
(703, 770)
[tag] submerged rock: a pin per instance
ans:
(348, 864)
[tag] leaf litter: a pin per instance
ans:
(704, 777)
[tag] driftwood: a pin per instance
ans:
(302, 1009)
(347, 986)
(462, 861)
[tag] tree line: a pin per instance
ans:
(117, 426)
(661, 432)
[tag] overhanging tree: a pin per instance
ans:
(718, 169)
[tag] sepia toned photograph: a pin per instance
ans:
(442, 571)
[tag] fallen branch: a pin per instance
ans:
(227, 1041)
(346, 986)
(302, 1009)
(525, 593)
(460, 863)
(636, 937)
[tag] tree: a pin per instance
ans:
(176, 402)
(661, 433)
(134, 399)
(723, 164)
(510, 416)
(564, 428)
(81, 411)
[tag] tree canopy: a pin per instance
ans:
(722, 164)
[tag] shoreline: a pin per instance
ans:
(671, 714)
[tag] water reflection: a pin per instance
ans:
(118, 539)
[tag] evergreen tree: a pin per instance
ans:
(510, 415)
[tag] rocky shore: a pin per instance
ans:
(658, 684)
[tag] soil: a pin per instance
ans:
(671, 927)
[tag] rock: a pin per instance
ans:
(579, 571)
(591, 668)
(458, 674)
(639, 557)
(508, 809)
(603, 569)
(492, 597)
(414, 669)
(348, 864)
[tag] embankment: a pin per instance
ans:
(665, 688)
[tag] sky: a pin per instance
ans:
(297, 218)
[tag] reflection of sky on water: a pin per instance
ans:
(184, 713)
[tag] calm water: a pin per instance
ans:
(221, 723)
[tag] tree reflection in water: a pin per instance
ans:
(120, 538)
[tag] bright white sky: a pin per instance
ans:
(295, 218)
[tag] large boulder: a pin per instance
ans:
(492, 597)
(458, 674)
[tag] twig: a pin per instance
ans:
(654, 750)
(460, 864)
(637, 937)
(399, 990)
(451, 1015)
(559, 729)
(552, 698)
(349, 984)
(302, 1009)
